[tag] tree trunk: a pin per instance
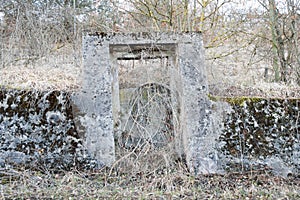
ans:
(278, 48)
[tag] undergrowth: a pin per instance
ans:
(168, 184)
(145, 174)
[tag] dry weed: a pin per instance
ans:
(175, 183)
(59, 71)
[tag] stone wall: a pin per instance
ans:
(260, 132)
(37, 130)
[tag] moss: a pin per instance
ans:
(235, 100)
(239, 100)
(214, 98)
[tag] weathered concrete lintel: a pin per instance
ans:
(147, 37)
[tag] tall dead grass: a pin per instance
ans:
(175, 183)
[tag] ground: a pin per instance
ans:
(179, 184)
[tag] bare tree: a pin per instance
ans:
(35, 28)
(293, 8)
(283, 27)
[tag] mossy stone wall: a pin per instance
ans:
(37, 130)
(259, 129)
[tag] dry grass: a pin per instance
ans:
(240, 74)
(171, 184)
(59, 71)
(145, 174)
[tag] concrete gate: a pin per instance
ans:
(146, 86)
